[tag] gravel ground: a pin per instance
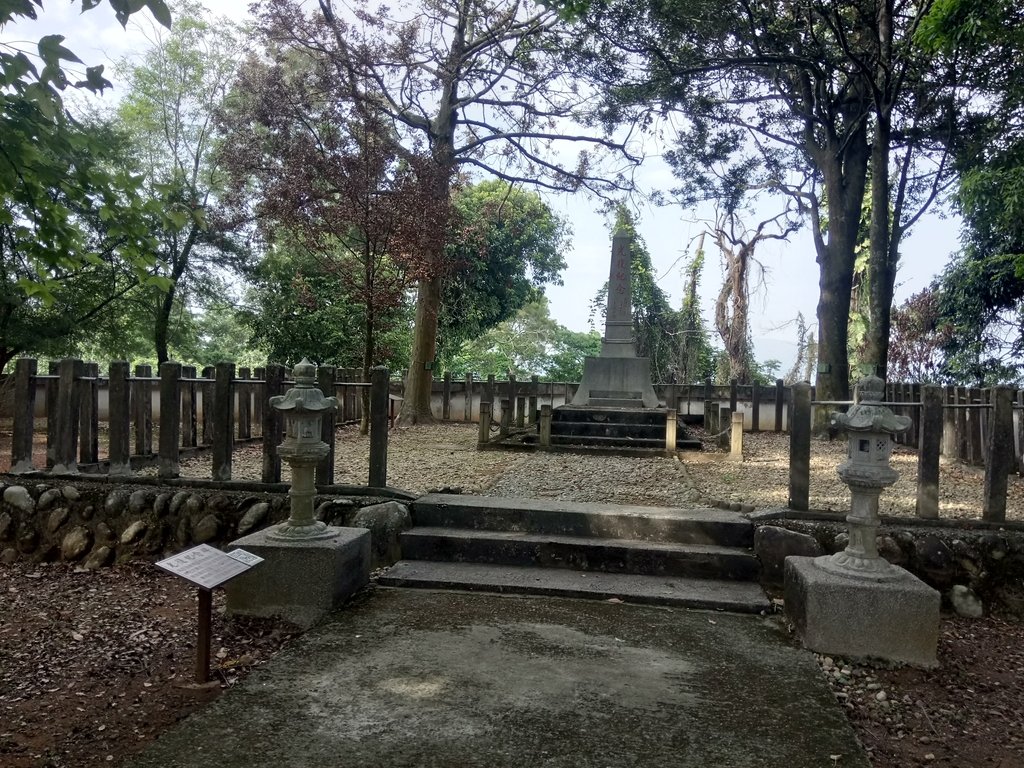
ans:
(445, 455)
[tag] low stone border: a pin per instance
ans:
(97, 522)
(986, 558)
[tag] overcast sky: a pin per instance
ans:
(791, 282)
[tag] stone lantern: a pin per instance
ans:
(308, 568)
(870, 427)
(303, 407)
(855, 603)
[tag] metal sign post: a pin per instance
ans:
(207, 568)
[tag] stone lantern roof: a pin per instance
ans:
(304, 397)
(868, 414)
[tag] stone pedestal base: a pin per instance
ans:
(299, 580)
(616, 382)
(896, 619)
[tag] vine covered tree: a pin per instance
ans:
(825, 94)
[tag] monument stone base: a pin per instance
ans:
(616, 382)
(895, 619)
(300, 581)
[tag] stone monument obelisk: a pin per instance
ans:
(617, 378)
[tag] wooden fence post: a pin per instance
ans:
(119, 399)
(1020, 432)
(258, 401)
(446, 396)
(736, 437)
(755, 407)
(326, 375)
(949, 423)
(1000, 455)
(189, 424)
(206, 392)
(170, 423)
(929, 446)
(975, 397)
(800, 448)
(142, 410)
(67, 416)
(52, 421)
(710, 413)
(223, 420)
(24, 415)
(545, 425)
(723, 426)
(531, 413)
(380, 388)
(780, 402)
(483, 434)
(89, 415)
(506, 417)
(273, 424)
(960, 394)
(467, 415)
(244, 396)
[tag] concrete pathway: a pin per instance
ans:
(416, 678)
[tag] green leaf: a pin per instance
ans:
(51, 51)
(160, 12)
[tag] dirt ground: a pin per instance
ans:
(968, 713)
(96, 664)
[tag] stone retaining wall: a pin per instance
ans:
(987, 560)
(100, 524)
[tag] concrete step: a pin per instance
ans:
(707, 561)
(608, 429)
(619, 442)
(608, 415)
(571, 518)
(734, 596)
(595, 447)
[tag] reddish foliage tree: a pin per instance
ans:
(330, 177)
(463, 83)
(918, 337)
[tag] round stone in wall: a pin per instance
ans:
(206, 529)
(76, 543)
(47, 498)
(19, 498)
(98, 558)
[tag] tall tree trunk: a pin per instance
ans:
(368, 331)
(416, 406)
(161, 329)
(368, 347)
(882, 254)
(881, 268)
(845, 175)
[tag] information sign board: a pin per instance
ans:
(207, 567)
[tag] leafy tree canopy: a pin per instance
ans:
(505, 244)
(52, 169)
(529, 343)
